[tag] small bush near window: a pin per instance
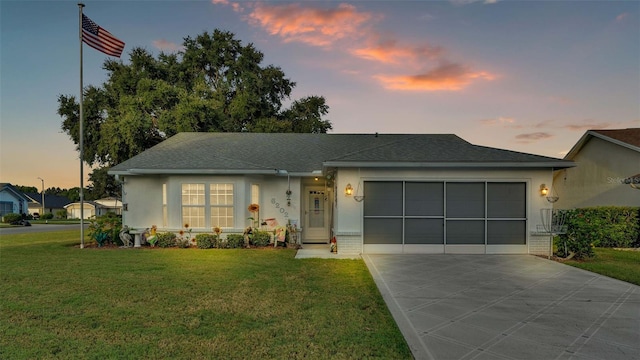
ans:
(261, 238)
(235, 241)
(11, 217)
(166, 240)
(61, 214)
(47, 216)
(205, 241)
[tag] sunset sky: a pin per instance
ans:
(529, 76)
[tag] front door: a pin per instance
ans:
(316, 215)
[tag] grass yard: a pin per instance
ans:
(58, 301)
(622, 265)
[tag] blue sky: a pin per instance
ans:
(529, 76)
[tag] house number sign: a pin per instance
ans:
(281, 209)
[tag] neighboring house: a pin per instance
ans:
(52, 203)
(12, 200)
(94, 208)
(388, 193)
(608, 163)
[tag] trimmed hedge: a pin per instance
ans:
(166, 240)
(260, 238)
(205, 241)
(234, 241)
(11, 217)
(605, 226)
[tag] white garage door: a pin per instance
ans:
(445, 217)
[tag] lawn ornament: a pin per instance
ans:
(125, 236)
(150, 235)
(334, 245)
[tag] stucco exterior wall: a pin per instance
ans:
(144, 208)
(349, 213)
(597, 178)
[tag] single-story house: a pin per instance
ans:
(52, 203)
(12, 200)
(94, 208)
(607, 172)
(375, 193)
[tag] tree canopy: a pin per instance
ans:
(215, 84)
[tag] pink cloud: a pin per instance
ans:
(622, 17)
(234, 5)
(587, 126)
(394, 53)
(447, 76)
(314, 26)
(498, 121)
(532, 137)
(166, 45)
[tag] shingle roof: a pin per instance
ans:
(304, 153)
(51, 201)
(630, 136)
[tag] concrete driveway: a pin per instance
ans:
(507, 307)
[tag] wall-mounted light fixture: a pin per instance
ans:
(348, 190)
(544, 191)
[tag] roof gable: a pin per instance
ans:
(628, 138)
(16, 193)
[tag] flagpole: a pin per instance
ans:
(81, 130)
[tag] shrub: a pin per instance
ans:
(235, 241)
(47, 216)
(11, 217)
(104, 229)
(610, 226)
(183, 243)
(61, 214)
(205, 241)
(166, 240)
(260, 238)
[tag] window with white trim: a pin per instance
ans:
(165, 213)
(193, 205)
(221, 205)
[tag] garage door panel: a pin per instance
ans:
(424, 199)
(383, 198)
(424, 231)
(465, 200)
(383, 231)
(506, 200)
(506, 232)
(465, 232)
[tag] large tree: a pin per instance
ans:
(216, 84)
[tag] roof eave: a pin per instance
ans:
(439, 165)
(133, 172)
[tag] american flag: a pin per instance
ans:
(100, 39)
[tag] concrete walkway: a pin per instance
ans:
(507, 307)
(322, 251)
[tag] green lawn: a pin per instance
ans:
(622, 265)
(58, 301)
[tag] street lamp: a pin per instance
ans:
(42, 213)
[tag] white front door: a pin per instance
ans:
(316, 215)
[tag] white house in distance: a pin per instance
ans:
(608, 163)
(375, 193)
(94, 208)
